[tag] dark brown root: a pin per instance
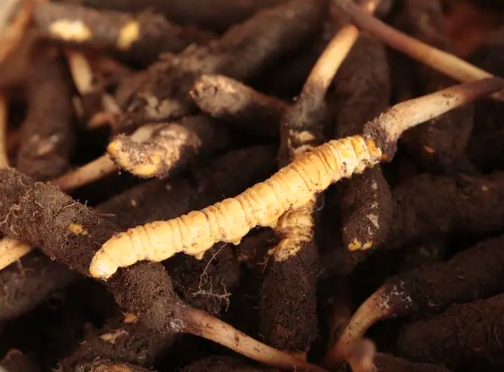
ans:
(47, 136)
(463, 338)
(103, 365)
(429, 206)
(141, 38)
(220, 364)
(231, 101)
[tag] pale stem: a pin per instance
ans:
(204, 325)
(12, 250)
(81, 71)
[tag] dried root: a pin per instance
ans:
(15, 17)
(241, 53)
(47, 135)
(439, 338)
(233, 102)
(290, 188)
(141, 37)
(429, 289)
(170, 148)
(362, 92)
(4, 121)
(437, 144)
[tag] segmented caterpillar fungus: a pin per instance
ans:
(231, 219)
(291, 187)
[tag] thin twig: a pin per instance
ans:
(201, 324)
(4, 157)
(443, 62)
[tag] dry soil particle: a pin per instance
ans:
(140, 37)
(464, 338)
(241, 53)
(109, 366)
(47, 136)
(438, 143)
(362, 93)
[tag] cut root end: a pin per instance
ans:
(12, 250)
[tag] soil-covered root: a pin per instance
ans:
(486, 145)
(209, 14)
(47, 135)
(435, 145)
(229, 100)
(140, 37)
(242, 52)
(429, 206)
(16, 361)
(103, 365)
(126, 341)
(362, 92)
(389, 363)
(25, 285)
(170, 148)
(313, 171)
(474, 273)
(464, 338)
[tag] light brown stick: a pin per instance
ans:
(443, 62)
(4, 157)
(204, 325)
(12, 250)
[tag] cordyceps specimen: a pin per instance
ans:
(464, 338)
(171, 147)
(362, 92)
(141, 37)
(474, 273)
(428, 206)
(47, 135)
(210, 14)
(229, 100)
(126, 341)
(438, 60)
(436, 144)
(290, 188)
(69, 232)
(296, 255)
(242, 52)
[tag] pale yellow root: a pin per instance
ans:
(81, 71)
(204, 325)
(439, 60)
(101, 167)
(291, 187)
(12, 32)
(373, 309)
(12, 250)
(4, 157)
